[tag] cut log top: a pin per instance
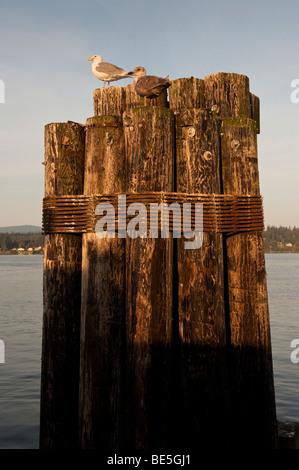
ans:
(227, 95)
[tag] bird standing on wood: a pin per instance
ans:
(107, 72)
(148, 86)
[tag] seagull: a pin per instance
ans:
(148, 86)
(105, 71)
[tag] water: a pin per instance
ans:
(20, 329)
(21, 325)
(283, 295)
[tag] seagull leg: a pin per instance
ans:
(104, 83)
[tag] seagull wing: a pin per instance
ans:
(151, 85)
(109, 69)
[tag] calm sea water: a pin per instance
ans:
(283, 295)
(20, 329)
(21, 325)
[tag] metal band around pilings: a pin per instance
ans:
(221, 213)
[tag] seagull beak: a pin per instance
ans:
(90, 58)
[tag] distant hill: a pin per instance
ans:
(21, 229)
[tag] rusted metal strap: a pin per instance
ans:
(220, 213)
(68, 214)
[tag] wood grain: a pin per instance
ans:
(253, 414)
(149, 147)
(201, 305)
(103, 298)
(64, 173)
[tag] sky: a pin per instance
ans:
(46, 78)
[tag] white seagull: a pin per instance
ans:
(107, 72)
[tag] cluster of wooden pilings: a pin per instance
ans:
(148, 345)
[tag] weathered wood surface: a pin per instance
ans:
(64, 170)
(227, 94)
(149, 147)
(102, 382)
(252, 398)
(255, 110)
(174, 341)
(186, 93)
(109, 101)
(201, 307)
(113, 101)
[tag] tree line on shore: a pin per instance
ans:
(276, 239)
(281, 239)
(10, 242)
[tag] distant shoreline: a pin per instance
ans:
(281, 252)
(6, 253)
(275, 240)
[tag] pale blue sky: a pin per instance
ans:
(43, 52)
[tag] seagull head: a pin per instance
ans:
(138, 72)
(96, 58)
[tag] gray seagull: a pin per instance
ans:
(148, 86)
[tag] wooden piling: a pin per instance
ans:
(102, 380)
(174, 342)
(200, 277)
(149, 147)
(255, 110)
(253, 415)
(64, 170)
(228, 95)
(109, 101)
(133, 100)
(114, 101)
(186, 93)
